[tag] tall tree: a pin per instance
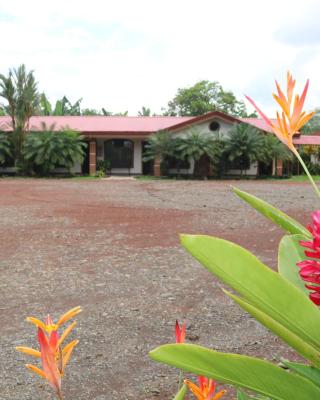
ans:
(203, 97)
(20, 91)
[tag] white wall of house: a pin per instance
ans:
(137, 157)
(203, 128)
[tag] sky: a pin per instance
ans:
(125, 54)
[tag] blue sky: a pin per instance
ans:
(124, 54)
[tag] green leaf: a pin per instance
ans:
(290, 253)
(242, 371)
(242, 396)
(303, 348)
(181, 394)
(278, 217)
(259, 285)
(307, 371)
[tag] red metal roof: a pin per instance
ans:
(257, 123)
(307, 139)
(118, 125)
(102, 124)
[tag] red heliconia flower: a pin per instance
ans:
(310, 269)
(54, 357)
(205, 390)
(48, 349)
(180, 332)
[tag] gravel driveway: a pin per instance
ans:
(112, 247)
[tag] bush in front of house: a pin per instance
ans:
(5, 148)
(49, 149)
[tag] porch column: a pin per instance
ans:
(279, 167)
(156, 166)
(92, 157)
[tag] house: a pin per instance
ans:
(121, 139)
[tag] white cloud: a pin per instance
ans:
(124, 54)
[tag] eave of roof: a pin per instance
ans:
(202, 118)
(257, 123)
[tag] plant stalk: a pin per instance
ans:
(180, 381)
(307, 172)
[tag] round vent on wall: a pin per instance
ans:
(214, 126)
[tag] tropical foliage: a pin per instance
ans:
(20, 91)
(46, 150)
(244, 145)
(237, 150)
(5, 148)
(203, 97)
(144, 112)
(196, 146)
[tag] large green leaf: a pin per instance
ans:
(290, 253)
(307, 371)
(258, 284)
(278, 217)
(181, 393)
(303, 348)
(242, 371)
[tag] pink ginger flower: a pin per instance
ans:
(310, 269)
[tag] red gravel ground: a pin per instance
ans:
(112, 247)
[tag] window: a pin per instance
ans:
(214, 126)
(119, 152)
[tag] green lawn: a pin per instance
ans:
(302, 178)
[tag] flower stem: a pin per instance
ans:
(180, 381)
(307, 172)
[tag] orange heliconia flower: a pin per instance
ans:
(54, 358)
(292, 118)
(205, 390)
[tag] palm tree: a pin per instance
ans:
(197, 146)
(274, 150)
(160, 145)
(244, 145)
(45, 107)
(20, 91)
(48, 149)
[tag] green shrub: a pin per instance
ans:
(5, 148)
(44, 151)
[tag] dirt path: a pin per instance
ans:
(113, 248)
